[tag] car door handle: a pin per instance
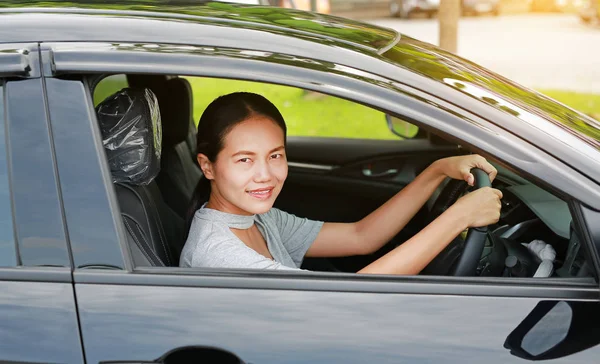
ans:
(188, 354)
(367, 172)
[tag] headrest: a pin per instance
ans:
(175, 99)
(131, 135)
(177, 109)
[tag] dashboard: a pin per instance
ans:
(535, 236)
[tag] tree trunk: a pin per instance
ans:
(448, 15)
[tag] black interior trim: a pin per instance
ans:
(341, 151)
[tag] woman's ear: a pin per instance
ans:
(205, 165)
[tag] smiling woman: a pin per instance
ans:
(241, 142)
(241, 150)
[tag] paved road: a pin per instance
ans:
(553, 51)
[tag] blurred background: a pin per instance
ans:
(552, 46)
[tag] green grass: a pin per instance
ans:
(305, 113)
(312, 114)
(586, 103)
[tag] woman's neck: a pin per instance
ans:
(220, 204)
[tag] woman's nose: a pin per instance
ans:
(263, 172)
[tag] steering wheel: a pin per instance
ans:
(459, 258)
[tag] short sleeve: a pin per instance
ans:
(297, 234)
(233, 254)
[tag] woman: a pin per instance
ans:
(241, 151)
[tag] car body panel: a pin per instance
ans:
(142, 322)
(39, 318)
(8, 246)
(38, 218)
(318, 27)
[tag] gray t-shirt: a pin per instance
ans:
(212, 244)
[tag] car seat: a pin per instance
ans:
(179, 172)
(131, 135)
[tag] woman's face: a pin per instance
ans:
(249, 172)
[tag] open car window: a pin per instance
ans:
(307, 113)
(107, 86)
(535, 228)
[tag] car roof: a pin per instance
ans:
(382, 51)
(318, 27)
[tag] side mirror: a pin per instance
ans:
(401, 128)
(555, 329)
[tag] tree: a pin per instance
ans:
(448, 15)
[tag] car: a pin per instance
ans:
(321, 6)
(555, 5)
(89, 249)
(477, 7)
(589, 12)
(406, 8)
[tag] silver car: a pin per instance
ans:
(406, 8)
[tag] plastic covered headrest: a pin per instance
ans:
(131, 135)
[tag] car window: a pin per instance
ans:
(535, 236)
(108, 86)
(7, 240)
(306, 113)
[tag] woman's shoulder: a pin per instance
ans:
(205, 230)
(273, 213)
(204, 237)
(279, 217)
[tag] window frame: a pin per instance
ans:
(5, 143)
(414, 105)
(20, 73)
(85, 214)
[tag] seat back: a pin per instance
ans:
(179, 173)
(132, 137)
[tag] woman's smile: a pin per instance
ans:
(262, 193)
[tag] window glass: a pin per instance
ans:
(306, 113)
(7, 237)
(108, 86)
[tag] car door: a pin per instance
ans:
(170, 314)
(37, 304)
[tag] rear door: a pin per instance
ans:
(37, 305)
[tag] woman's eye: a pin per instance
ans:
(277, 156)
(244, 160)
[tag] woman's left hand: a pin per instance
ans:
(460, 167)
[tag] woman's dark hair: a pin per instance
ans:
(218, 119)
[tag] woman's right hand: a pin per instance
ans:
(479, 208)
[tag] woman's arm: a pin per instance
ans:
(415, 253)
(380, 226)
(372, 232)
